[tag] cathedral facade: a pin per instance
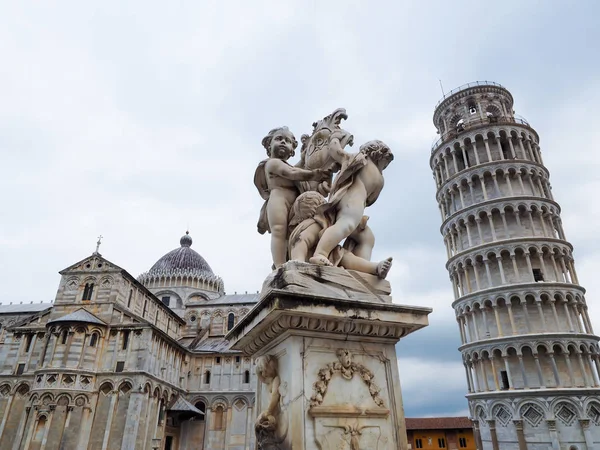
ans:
(117, 362)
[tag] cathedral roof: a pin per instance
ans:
(182, 259)
(182, 405)
(81, 315)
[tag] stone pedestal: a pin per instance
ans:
(324, 339)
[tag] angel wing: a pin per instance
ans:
(260, 180)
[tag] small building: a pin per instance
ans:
(452, 433)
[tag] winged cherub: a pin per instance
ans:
(357, 185)
(276, 181)
(355, 254)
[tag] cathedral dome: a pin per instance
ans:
(182, 258)
(182, 266)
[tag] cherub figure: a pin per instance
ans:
(357, 186)
(266, 369)
(276, 182)
(310, 224)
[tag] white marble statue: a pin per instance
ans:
(276, 182)
(356, 186)
(308, 226)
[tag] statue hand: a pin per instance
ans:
(321, 174)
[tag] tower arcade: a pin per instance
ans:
(530, 355)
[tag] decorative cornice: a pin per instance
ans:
(516, 289)
(280, 313)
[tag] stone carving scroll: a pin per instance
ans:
(347, 369)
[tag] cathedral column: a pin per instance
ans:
(586, 376)
(523, 372)
(495, 372)
(109, 419)
(85, 428)
(497, 316)
(538, 366)
(538, 302)
(515, 267)
(555, 314)
(520, 435)
(492, 426)
(554, 368)
(6, 414)
(21, 429)
(487, 149)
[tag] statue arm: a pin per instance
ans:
(337, 152)
(284, 170)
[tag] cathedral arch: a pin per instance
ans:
(23, 389)
(501, 412)
(219, 401)
(125, 387)
(63, 400)
(47, 399)
(106, 388)
(532, 411)
(5, 389)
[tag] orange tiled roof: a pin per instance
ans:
(438, 423)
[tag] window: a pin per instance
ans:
(166, 300)
(538, 275)
(20, 369)
(63, 337)
(161, 411)
(472, 109)
(93, 339)
(120, 366)
(247, 377)
(28, 340)
(238, 359)
(441, 443)
(129, 299)
(207, 377)
(462, 442)
(125, 339)
(218, 360)
(192, 318)
(87, 291)
(168, 442)
(202, 407)
(419, 443)
(230, 321)
(145, 308)
(504, 376)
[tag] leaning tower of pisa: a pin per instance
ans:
(530, 355)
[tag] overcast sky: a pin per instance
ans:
(139, 119)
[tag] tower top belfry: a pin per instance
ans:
(527, 343)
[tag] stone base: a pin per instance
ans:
(333, 343)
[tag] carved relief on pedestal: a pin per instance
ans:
(271, 425)
(349, 417)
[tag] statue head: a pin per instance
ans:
(345, 357)
(266, 368)
(378, 152)
(280, 143)
(305, 206)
